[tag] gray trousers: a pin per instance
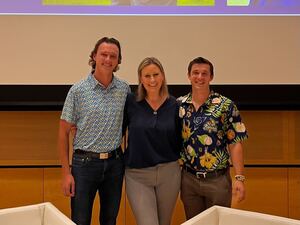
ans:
(198, 195)
(152, 192)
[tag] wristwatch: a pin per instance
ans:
(240, 177)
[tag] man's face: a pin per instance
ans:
(200, 76)
(107, 57)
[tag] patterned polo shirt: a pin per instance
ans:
(97, 113)
(207, 132)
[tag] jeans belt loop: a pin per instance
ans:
(201, 175)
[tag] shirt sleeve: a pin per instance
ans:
(128, 90)
(236, 129)
(69, 110)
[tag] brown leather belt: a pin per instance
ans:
(101, 155)
(201, 175)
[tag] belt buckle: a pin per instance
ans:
(201, 175)
(103, 155)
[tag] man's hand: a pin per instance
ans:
(73, 130)
(68, 185)
(238, 190)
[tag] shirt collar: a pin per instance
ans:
(213, 98)
(94, 82)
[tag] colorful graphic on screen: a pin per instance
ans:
(151, 7)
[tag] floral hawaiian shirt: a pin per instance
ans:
(206, 133)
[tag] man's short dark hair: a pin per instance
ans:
(201, 60)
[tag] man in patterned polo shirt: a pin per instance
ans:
(212, 134)
(95, 107)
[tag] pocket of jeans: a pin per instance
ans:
(80, 160)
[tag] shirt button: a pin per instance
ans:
(155, 113)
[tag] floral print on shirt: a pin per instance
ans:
(206, 133)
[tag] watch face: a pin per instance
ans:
(240, 177)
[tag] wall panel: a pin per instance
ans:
(294, 140)
(29, 153)
(21, 186)
(266, 191)
(294, 193)
(28, 138)
(266, 188)
(268, 137)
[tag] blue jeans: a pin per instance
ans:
(92, 175)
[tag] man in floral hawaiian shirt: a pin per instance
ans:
(212, 134)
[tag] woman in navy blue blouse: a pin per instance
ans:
(152, 172)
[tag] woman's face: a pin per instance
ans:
(152, 78)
